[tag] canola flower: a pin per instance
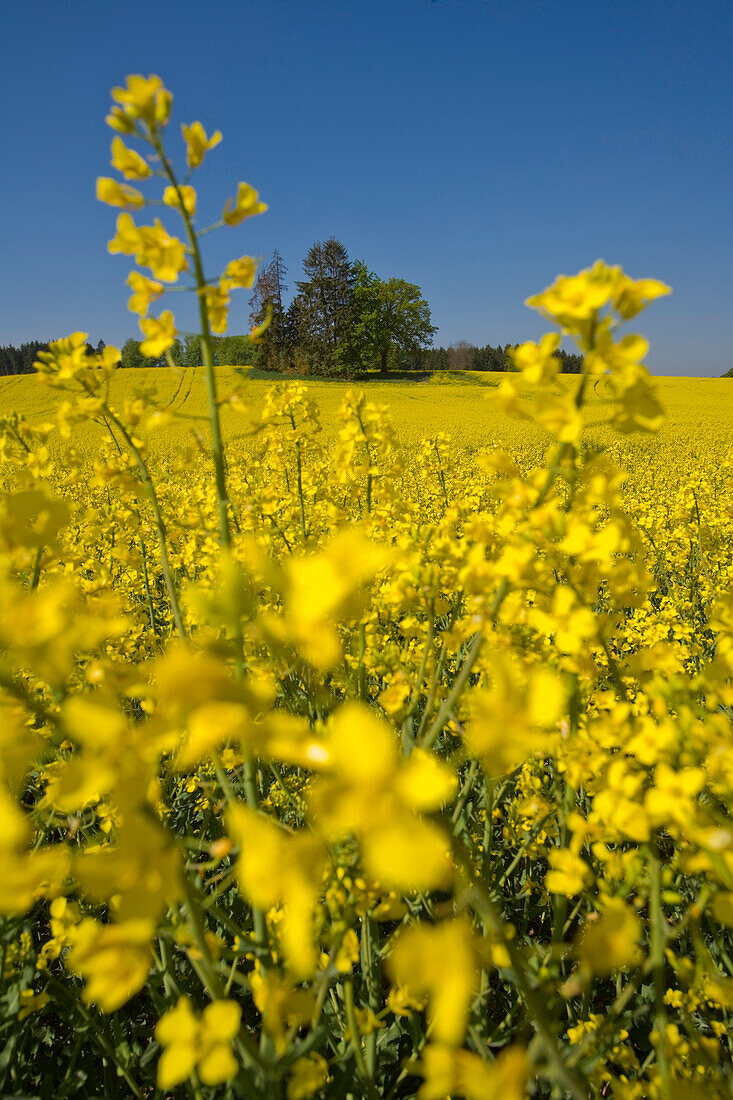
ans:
(340, 769)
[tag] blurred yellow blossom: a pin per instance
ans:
(245, 205)
(128, 162)
(203, 1043)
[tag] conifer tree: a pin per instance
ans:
(325, 308)
(269, 291)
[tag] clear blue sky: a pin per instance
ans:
(475, 147)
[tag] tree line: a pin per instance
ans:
(343, 320)
(20, 360)
(470, 357)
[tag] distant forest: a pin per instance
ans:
(20, 360)
(465, 356)
(238, 351)
(343, 321)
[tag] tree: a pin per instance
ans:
(392, 319)
(176, 353)
(234, 351)
(461, 355)
(131, 356)
(20, 360)
(324, 305)
(268, 294)
(192, 351)
(437, 359)
(497, 359)
(570, 363)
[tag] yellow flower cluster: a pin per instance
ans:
(142, 111)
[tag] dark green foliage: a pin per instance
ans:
(391, 320)
(571, 364)
(20, 360)
(132, 357)
(192, 351)
(176, 353)
(325, 312)
(234, 351)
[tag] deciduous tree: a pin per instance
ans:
(392, 319)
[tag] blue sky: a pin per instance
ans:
(475, 147)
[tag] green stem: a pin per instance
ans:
(423, 662)
(571, 1080)
(324, 983)
(207, 968)
(36, 575)
(362, 678)
(349, 1009)
(371, 971)
(463, 796)
(536, 829)
(369, 469)
(170, 984)
(658, 943)
(107, 1048)
(299, 459)
(159, 521)
(207, 354)
(441, 476)
(435, 679)
(246, 1049)
(209, 977)
(446, 708)
(146, 585)
(253, 800)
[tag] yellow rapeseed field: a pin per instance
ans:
(698, 411)
(362, 743)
